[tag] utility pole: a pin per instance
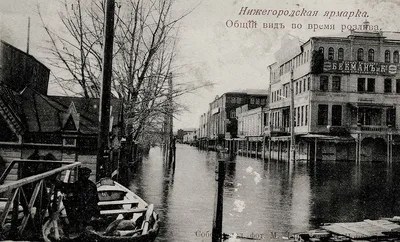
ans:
(29, 35)
(292, 154)
(102, 169)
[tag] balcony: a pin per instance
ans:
(372, 129)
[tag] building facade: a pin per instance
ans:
(220, 122)
(346, 97)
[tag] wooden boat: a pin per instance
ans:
(118, 206)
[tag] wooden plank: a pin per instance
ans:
(384, 224)
(123, 211)
(120, 202)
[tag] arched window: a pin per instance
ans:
(331, 53)
(371, 55)
(396, 57)
(340, 54)
(321, 49)
(360, 54)
(387, 56)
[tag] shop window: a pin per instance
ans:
(323, 83)
(337, 115)
(396, 57)
(336, 83)
(360, 54)
(331, 53)
(388, 85)
(322, 114)
(340, 54)
(387, 56)
(371, 55)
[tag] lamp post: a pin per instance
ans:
(390, 144)
(292, 154)
(358, 148)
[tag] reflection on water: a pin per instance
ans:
(262, 198)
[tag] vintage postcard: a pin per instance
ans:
(199, 120)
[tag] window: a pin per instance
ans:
(298, 117)
(233, 114)
(297, 88)
(398, 86)
(322, 114)
(337, 115)
(321, 50)
(391, 116)
(331, 53)
(371, 55)
(360, 54)
(302, 116)
(336, 83)
(396, 57)
(258, 100)
(308, 83)
(304, 85)
(340, 54)
(387, 56)
(300, 86)
(252, 100)
(323, 83)
(361, 85)
(306, 116)
(371, 85)
(388, 85)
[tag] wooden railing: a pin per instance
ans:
(33, 209)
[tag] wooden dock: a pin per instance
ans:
(386, 229)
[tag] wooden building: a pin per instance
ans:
(34, 125)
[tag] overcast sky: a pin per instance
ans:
(208, 51)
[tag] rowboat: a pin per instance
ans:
(124, 217)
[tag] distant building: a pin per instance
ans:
(35, 125)
(190, 137)
(220, 121)
(346, 91)
(251, 122)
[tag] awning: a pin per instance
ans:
(329, 137)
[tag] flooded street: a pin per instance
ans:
(262, 200)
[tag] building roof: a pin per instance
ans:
(40, 113)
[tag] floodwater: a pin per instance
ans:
(262, 200)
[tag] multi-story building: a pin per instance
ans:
(220, 122)
(251, 122)
(346, 96)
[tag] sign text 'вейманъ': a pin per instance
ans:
(360, 67)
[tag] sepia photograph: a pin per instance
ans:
(199, 120)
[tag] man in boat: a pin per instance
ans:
(83, 204)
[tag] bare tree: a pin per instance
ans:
(145, 42)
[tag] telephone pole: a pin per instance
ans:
(102, 168)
